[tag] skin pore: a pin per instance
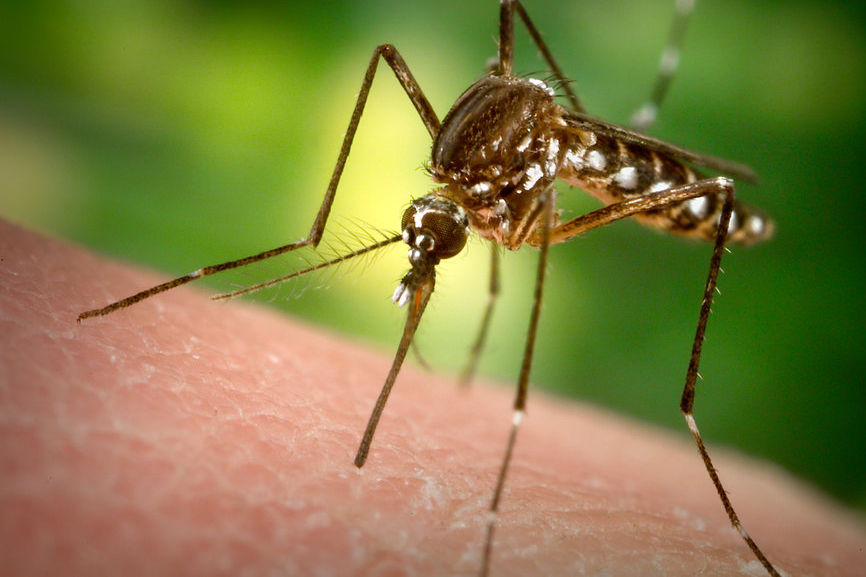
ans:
(186, 437)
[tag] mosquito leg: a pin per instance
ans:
(646, 115)
(493, 291)
(549, 201)
(688, 398)
(428, 117)
(506, 38)
(723, 187)
(617, 211)
(564, 82)
(505, 65)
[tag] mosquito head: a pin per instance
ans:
(434, 228)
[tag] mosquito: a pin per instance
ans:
(495, 158)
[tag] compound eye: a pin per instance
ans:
(408, 219)
(448, 233)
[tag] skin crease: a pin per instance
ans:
(186, 437)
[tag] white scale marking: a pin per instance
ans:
(698, 207)
(684, 6)
(541, 84)
(693, 426)
(574, 158)
(734, 223)
(755, 225)
(669, 61)
(626, 177)
(401, 295)
(596, 160)
(481, 188)
(533, 174)
(552, 153)
(517, 418)
(660, 186)
(646, 115)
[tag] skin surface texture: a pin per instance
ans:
(187, 437)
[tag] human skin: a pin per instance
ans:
(187, 437)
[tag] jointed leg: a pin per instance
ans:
(506, 47)
(613, 212)
(493, 292)
(688, 399)
(646, 115)
(550, 235)
(425, 111)
(548, 208)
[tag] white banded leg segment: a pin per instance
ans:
(669, 62)
(726, 502)
(517, 418)
(493, 512)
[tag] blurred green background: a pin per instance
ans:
(178, 133)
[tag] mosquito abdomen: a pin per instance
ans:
(613, 171)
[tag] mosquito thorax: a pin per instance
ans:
(497, 151)
(495, 122)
